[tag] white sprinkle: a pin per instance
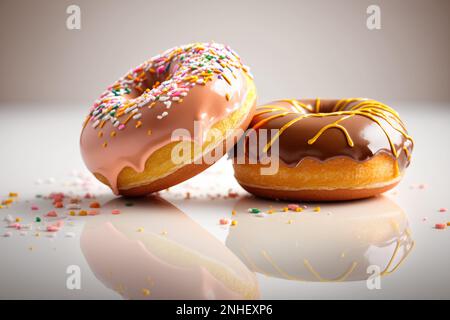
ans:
(176, 98)
(96, 123)
(116, 124)
(137, 116)
(168, 104)
(184, 94)
(163, 98)
(9, 218)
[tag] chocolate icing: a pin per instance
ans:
(364, 125)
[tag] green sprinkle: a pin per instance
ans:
(254, 210)
(129, 204)
(38, 219)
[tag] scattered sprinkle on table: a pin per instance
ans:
(440, 226)
(234, 223)
(145, 292)
(224, 221)
(115, 211)
(51, 214)
(129, 204)
(443, 210)
(94, 205)
(254, 210)
(317, 209)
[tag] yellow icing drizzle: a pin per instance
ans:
(370, 109)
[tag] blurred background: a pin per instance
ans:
(295, 48)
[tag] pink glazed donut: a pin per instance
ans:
(202, 88)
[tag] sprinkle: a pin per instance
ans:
(443, 210)
(113, 134)
(234, 223)
(94, 204)
(145, 292)
(72, 213)
(115, 211)
(59, 204)
(138, 124)
(290, 221)
(299, 209)
(13, 194)
(254, 210)
(285, 209)
(38, 219)
(129, 204)
(224, 221)
(448, 223)
(317, 209)
(9, 218)
(7, 234)
(270, 211)
(293, 206)
(51, 214)
(52, 228)
(149, 132)
(92, 212)
(140, 230)
(233, 213)
(440, 226)
(18, 219)
(121, 126)
(34, 207)
(7, 201)
(82, 213)
(100, 134)
(227, 96)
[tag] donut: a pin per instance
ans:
(202, 89)
(155, 256)
(326, 150)
(338, 244)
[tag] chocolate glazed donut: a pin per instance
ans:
(328, 149)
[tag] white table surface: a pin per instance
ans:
(296, 260)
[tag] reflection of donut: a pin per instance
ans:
(202, 89)
(322, 247)
(329, 150)
(154, 251)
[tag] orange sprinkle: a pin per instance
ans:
(13, 194)
(226, 79)
(149, 132)
(94, 204)
(138, 124)
(317, 209)
(227, 96)
(233, 212)
(59, 204)
(113, 134)
(105, 144)
(100, 134)
(82, 213)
